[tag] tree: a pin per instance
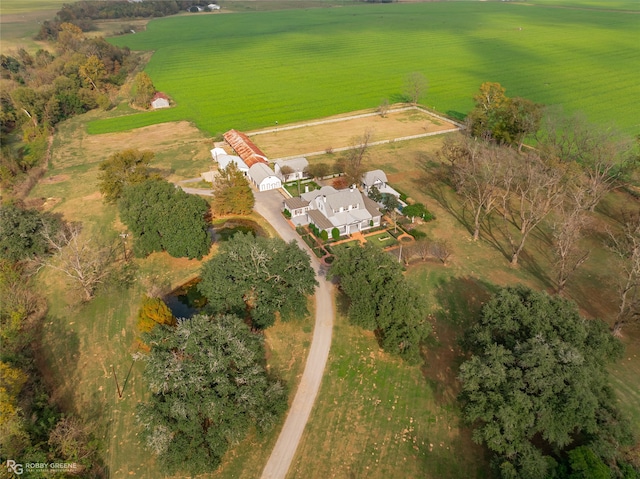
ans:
(317, 170)
(626, 246)
(604, 154)
(416, 210)
(536, 382)
(143, 90)
(257, 278)
(502, 119)
(383, 108)
(21, 232)
(354, 167)
(93, 71)
(162, 217)
(154, 311)
(85, 261)
(209, 387)
(476, 172)
(232, 193)
(380, 299)
(440, 249)
(415, 87)
(127, 167)
(567, 232)
(530, 190)
(391, 205)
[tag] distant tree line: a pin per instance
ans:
(84, 13)
(41, 90)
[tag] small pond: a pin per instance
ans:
(186, 300)
(224, 231)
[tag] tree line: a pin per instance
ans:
(75, 75)
(557, 184)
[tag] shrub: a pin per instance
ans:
(335, 233)
(286, 213)
(324, 235)
(417, 234)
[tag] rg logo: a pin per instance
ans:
(14, 467)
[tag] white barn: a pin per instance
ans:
(224, 159)
(264, 177)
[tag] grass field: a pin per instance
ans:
(250, 70)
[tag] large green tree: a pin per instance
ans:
(381, 300)
(504, 120)
(232, 194)
(21, 232)
(209, 388)
(536, 382)
(127, 167)
(165, 218)
(143, 90)
(259, 277)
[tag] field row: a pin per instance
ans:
(248, 71)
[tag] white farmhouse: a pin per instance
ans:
(348, 210)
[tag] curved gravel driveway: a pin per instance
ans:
(268, 204)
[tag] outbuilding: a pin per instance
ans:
(264, 177)
(160, 100)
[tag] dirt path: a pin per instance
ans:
(268, 205)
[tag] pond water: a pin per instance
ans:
(186, 300)
(229, 228)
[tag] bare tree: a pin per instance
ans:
(602, 153)
(531, 189)
(422, 248)
(383, 108)
(567, 231)
(441, 249)
(415, 86)
(476, 174)
(82, 260)
(353, 167)
(626, 246)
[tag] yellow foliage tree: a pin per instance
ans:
(11, 382)
(154, 311)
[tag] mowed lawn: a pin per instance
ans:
(251, 70)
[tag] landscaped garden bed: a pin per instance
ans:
(292, 187)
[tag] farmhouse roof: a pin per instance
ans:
(371, 206)
(260, 172)
(320, 220)
(160, 95)
(312, 195)
(295, 203)
(296, 164)
(370, 178)
(344, 198)
(245, 148)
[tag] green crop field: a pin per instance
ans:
(249, 70)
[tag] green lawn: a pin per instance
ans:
(250, 70)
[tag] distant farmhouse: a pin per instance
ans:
(348, 210)
(160, 100)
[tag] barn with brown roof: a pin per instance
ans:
(245, 148)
